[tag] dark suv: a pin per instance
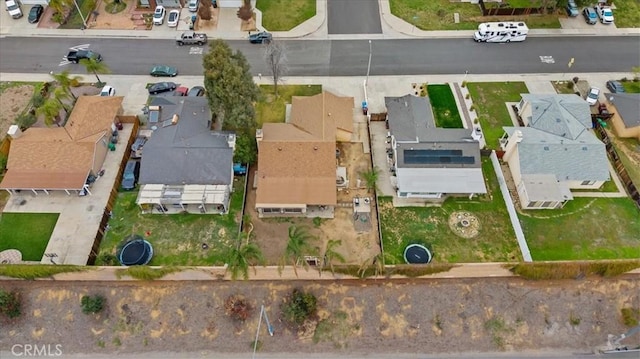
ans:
(130, 175)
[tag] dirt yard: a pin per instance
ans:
(13, 101)
(412, 316)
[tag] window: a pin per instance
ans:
(588, 183)
(293, 210)
(271, 210)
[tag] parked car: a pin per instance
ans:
(162, 87)
(181, 91)
(173, 18)
(605, 14)
(196, 91)
(76, 55)
(592, 96)
(130, 175)
(193, 5)
(615, 86)
(590, 15)
(35, 13)
(260, 38)
(108, 91)
(13, 7)
(572, 8)
(164, 71)
(158, 15)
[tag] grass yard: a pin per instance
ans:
(586, 228)
(627, 13)
(75, 20)
(284, 15)
(436, 14)
(27, 232)
(489, 102)
(271, 109)
(177, 238)
(563, 87)
(444, 106)
(631, 86)
(429, 226)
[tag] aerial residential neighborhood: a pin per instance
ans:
(280, 178)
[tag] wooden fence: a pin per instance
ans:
(504, 10)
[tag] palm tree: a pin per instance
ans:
(371, 178)
(65, 81)
(50, 109)
(60, 94)
(95, 67)
(240, 258)
(330, 253)
(60, 5)
(297, 245)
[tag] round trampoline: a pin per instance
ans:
(135, 252)
(417, 254)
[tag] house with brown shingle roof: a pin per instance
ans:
(62, 158)
(297, 160)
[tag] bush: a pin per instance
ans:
(299, 306)
(107, 259)
(630, 316)
(10, 304)
(26, 120)
(3, 162)
(238, 308)
(92, 304)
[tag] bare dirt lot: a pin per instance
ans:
(13, 101)
(374, 316)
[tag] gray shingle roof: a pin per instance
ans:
(628, 106)
(186, 152)
(409, 117)
(561, 114)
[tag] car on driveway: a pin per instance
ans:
(13, 7)
(592, 96)
(605, 14)
(590, 15)
(164, 71)
(615, 86)
(160, 87)
(181, 91)
(173, 18)
(260, 38)
(196, 91)
(35, 13)
(158, 15)
(108, 91)
(572, 8)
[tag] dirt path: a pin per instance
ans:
(413, 316)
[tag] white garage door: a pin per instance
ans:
(229, 3)
(34, 2)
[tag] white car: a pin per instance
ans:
(108, 91)
(158, 15)
(605, 14)
(592, 96)
(173, 18)
(13, 8)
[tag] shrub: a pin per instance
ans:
(10, 304)
(299, 306)
(26, 120)
(238, 308)
(246, 11)
(92, 304)
(630, 316)
(107, 259)
(3, 161)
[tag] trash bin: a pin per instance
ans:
(365, 109)
(193, 22)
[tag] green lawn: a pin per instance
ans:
(27, 232)
(177, 238)
(586, 228)
(444, 106)
(563, 87)
(271, 109)
(284, 15)
(75, 20)
(489, 101)
(627, 13)
(429, 225)
(631, 86)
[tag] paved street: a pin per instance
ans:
(353, 17)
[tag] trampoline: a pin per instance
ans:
(417, 254)
(135, 252)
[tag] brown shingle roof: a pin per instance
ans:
(61, 157)
(297, 160)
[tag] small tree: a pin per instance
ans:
(299, 306)
(65, 81)
(297, 245)
(245, 12)
(241, 258)
(92, 304)
(330, 253)
(204, 11)
(95, 67)
(10, 304)
(371, 178)
(26, 120)
(275, 55)
(246, 149)
(238, 308)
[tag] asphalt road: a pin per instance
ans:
(353, 17)
(341, 57)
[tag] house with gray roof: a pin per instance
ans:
(185, 166)
(429, 162)
(555, 151)
(626, 114)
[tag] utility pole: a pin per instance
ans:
(84, 21)
(263, 314)
(369, 65)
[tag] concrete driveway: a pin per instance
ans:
(353, 17)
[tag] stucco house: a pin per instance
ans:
(626, 114)
(555, 151)
(63, 158)
(430, 162)
(297, 165)
(186, 167)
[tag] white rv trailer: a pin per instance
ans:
(501, 32)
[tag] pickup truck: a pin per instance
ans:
(76, 55)
(191, 38)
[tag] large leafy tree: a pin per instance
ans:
(230, 88)
(95, 67)
(65, 81)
